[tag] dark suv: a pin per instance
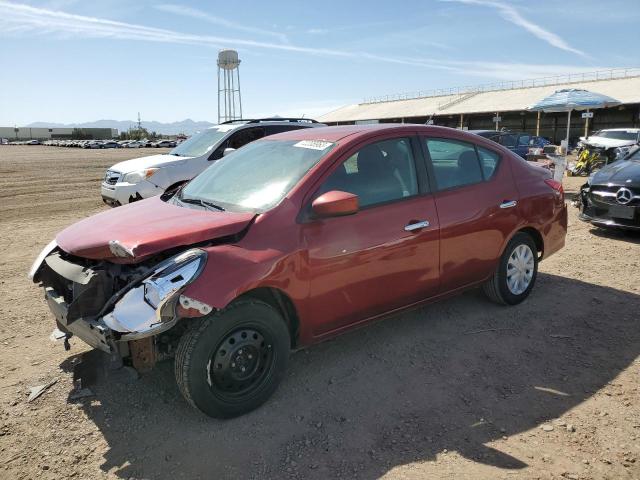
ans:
(518, 142)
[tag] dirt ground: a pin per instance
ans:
(461, 389)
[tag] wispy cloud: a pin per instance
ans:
(317, 31)
(510, 14)
(345, 28)
(486, 69)
(19, 19)
(214, 20)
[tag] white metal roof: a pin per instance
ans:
(627, 90)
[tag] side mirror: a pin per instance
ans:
(335, 204)
(227, 151)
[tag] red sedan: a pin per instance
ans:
(294, 239)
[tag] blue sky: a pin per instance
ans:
(75, 61)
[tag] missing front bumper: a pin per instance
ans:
(93, 332)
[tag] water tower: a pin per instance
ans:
(229, 99)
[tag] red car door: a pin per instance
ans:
(474, 195)
(385, 256)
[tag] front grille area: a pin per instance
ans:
(85, 288)
(607, 194)
(111, 177)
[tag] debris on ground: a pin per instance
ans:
(35, 392)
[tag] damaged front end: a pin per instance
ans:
(120, 309)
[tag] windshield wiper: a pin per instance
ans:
(202, 203)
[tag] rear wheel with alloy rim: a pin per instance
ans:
(233, 360)
(515, 276)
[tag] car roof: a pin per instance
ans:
(338, 133)
(477, 132)
(237, 124)
(634, 130)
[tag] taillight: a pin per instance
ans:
(557, 186)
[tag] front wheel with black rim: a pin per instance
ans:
(233, 360)
(516, 274)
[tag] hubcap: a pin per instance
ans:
(520, 269)
(240, 362)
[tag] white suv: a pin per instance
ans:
(139, 178)
(615, 143)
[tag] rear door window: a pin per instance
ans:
(455, 163)
(489, 162)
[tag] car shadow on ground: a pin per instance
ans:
(454, 375)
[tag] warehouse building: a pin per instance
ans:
(29, 133)
(504, 105)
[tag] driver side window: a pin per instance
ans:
(237, 140)
(245, 136)
(378, 173)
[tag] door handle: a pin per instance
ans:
(416, 226)
(508, 204)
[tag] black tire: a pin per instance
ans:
(496, 288)
(249, 335)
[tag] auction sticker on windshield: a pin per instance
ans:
(313, 144)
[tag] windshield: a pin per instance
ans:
(200, 143)
(257, 176)
(618, 135)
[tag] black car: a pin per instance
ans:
(611, 197)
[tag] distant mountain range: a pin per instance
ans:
(187, 126)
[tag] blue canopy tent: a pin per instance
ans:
(569, 99)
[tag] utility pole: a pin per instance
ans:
(139, 122)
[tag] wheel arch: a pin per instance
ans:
(534, 234)
(282, 303)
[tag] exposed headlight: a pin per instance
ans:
(621, 152)
(151, 307)
(172, 276)
(138, 176)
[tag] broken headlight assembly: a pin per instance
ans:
(150, 307)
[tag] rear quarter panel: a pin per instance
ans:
(540, 206)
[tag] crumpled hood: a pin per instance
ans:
(152, 161)
(147, 227)
(602, 142)
(623, 172)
